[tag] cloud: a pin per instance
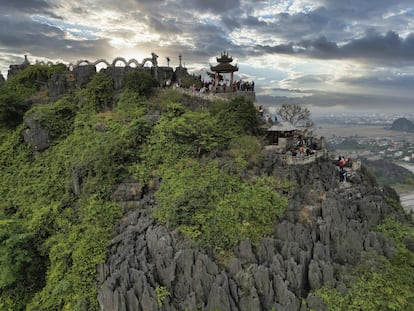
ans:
(318, 50)
(31, 6)
(20, 7)
(214, 6)
(373, 47)
(28, 36)
(163, 26)
(326, 102)
(384, 47)
(361, 9)
(398, 83)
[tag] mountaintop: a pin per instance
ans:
(142, 198)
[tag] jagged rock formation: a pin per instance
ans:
(35, 135)
(402, 125)
(326, 230)
(2, 80)
(60, 84)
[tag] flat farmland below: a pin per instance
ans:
(329, 130)
(352, 130)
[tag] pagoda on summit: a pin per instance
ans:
(224, 66)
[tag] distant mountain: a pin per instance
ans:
(388, 173)
(403, 125)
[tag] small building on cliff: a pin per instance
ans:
(293, 145)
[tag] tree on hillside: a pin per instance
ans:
(296, 114)
(12, 107)
(33, 79)
(237, 116)
(16, 94)
(141, 82)
(99, 91)
(187, 82)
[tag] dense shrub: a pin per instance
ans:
(189, 81)
(140, 82)
(379, 283)
(238, 116)
(98, 94)
(217, 208)
(52, 236)
(57, 117)
(15, 94)
(246, 147)
(12, 107)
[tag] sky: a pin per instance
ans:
(333, 56)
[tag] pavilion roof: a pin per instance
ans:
(224, 68)
(283, 126)
(224, 58)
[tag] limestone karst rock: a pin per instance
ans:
(35, 135)
(325, 231)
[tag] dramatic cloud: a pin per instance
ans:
(31, 6)
(373, 47)
(324, 53)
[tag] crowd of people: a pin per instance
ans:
(304, 147)
(221, 86)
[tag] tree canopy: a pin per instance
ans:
(296, 114)
(141, 82)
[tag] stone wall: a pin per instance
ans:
(83, 75)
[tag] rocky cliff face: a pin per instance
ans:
(35, 135)
(326, 230)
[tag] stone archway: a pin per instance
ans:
(119, 59)
(100, 63)
(133, 61)
(83, 62)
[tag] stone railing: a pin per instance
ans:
(299, 159)
(214, 96)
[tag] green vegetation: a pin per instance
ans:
(52, 236)
(58, 117)
(16, 96)
(389, 174)
(140, 82)
(162, 293)
(188, 82)
(97, 95)
(352, 144)
(206, 199)
(215, 206)
(378, 283)
(56, 213)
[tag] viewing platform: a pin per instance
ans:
(293, 145)
(217, 95)
(298, 159)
